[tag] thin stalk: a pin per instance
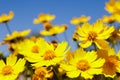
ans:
(7, 26)
(66, 37)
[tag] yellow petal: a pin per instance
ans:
(85, 44)
(102, 44)
(11, 60)
(73, 74)
(97, 63)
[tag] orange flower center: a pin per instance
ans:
(83, 65)
(41, 72)
(92, 36)
(35, 49)
(7, 70)
(110, 65)
(112, 61)
(49, 55)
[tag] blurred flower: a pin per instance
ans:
(42, 73)
(42, 18)
(15, 36)
(49, 55)
(29, 47)
(115, 36)
(20, 47)
(84, 64)
(108, 19)
(80, 20)
(12, 68)
(113, 7)
(4, 18)
(95, 33)
(112, 63)
(54, 30)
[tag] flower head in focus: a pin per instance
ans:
(12, 68)
(4, 18)
(95, 33)
(84, 64)
(49, 55)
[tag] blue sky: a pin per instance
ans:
(26, 10)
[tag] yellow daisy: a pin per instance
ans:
(43, 18)
(112, 63)
(113, 6)
(12, 68)
(84, 64)
(16, 36)
(30, 47)
(21, 46)
(54, 30)
(4, 18)
(80, 20)
(49, 55)
(95, 33)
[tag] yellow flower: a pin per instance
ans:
(80, 20)
(54, 30)
(42, 73)
(49, 55)
(84, 64)
(16, 36)
(95, 33)
(113, 6)
(4, 18)
(30, 47)
(108, 19)
(12, 68)
(112, 63)
(43, 18)
(20, 47)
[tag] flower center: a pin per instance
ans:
(41, 72)
(49, 55)
(83, 65)
(92, 36)
(7, 70)
(35, 49)
(110, 65)
(112, 61)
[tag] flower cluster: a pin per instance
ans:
(95, 57)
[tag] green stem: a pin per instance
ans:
(8, 28)
(57, 76)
